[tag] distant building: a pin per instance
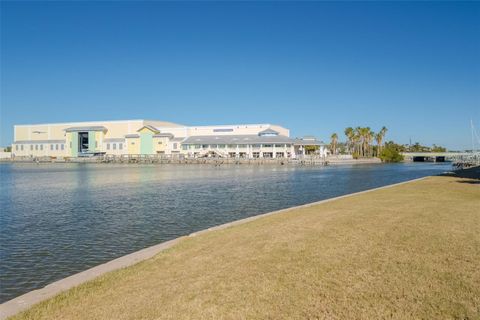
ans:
(134, 137)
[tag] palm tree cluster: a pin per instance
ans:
(359, 141)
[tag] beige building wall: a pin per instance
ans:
(160, 145)
(56, 131)
(133, 145)
(36, 138)
(51, 148)
(52, 140)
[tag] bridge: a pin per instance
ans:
(457, 157)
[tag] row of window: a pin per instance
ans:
(231, 146)
(40, 147)
(114, 146)
(268, 154)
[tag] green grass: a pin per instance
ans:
(411, 251)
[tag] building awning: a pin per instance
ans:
(81, 129)
(132, 136)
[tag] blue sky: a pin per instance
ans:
(314, 67)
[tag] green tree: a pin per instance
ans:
(311, 149)
(391, 152)
(436, 148)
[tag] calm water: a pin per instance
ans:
(57, 220)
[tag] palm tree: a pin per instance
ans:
(362, 135)
(349, 133)
(333, 144)
(370, 137)
(380, 138)
(357, 138)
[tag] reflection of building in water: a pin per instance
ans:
(133, 137)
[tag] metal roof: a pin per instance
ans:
(114, 140)
(38, 141)
(308, 142)
(132, 136)
(91, 128)
(162, 135)
(268, 131)
(152, 128)
(237, 139)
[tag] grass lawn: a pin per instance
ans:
(411, 251)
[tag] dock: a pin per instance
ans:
(178, 159)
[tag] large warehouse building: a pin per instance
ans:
(146, 137)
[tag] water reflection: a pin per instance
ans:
(60, 219)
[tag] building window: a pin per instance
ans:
(174, 146)
(242, 145)
(21, 147)
(108, 146)
(255, 145)
(267, 145)
(205, 146)
(114, 145)
(185, 147)
(62, 146)
(41, 147)
(16, 147)
(159, 142)
(256, 154)
(56, 147)
(221, 146)
(36, 147)
(279, 146)
(51, 147)
(31, 147)
(198, 146)
(120, 146)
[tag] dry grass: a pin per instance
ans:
(411, 251)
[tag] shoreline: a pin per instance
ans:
(27, 300)
(212, 161)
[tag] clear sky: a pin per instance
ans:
(313, 67)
